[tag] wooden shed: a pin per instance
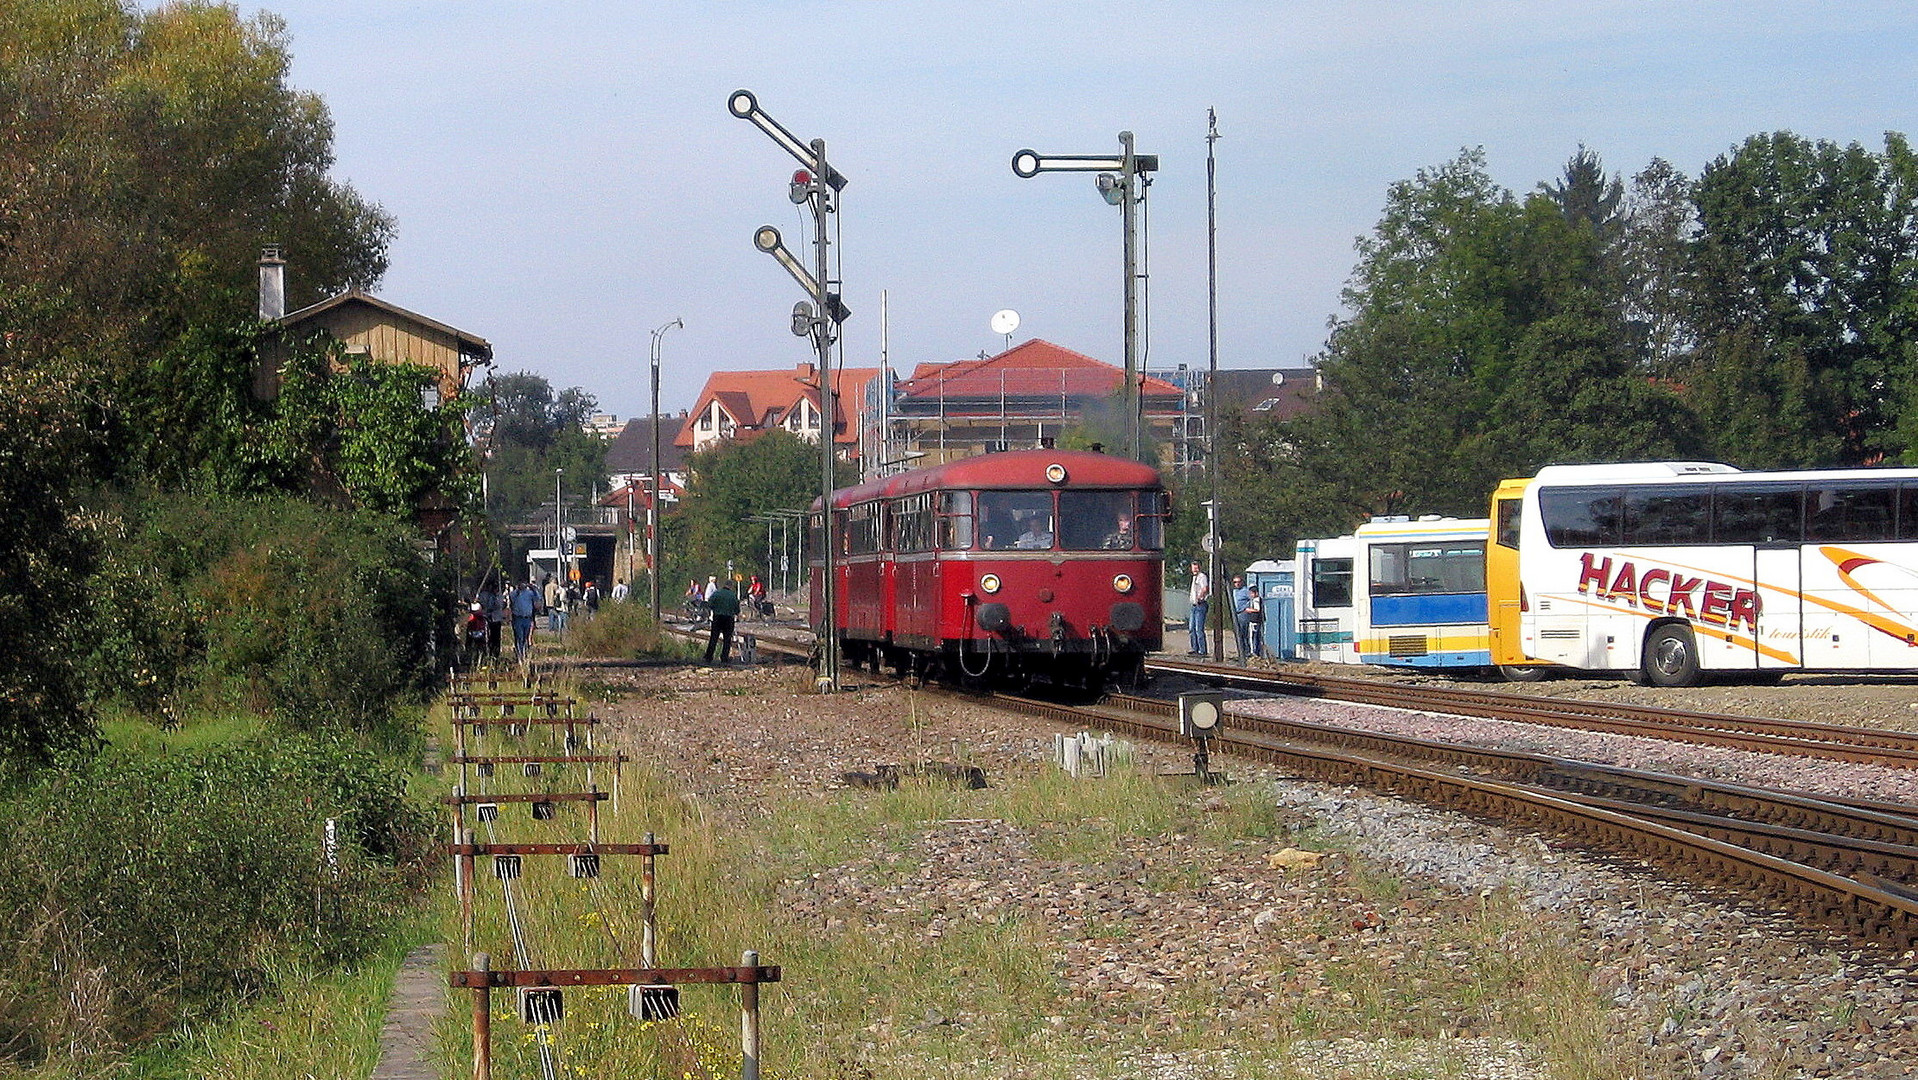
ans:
(384, 332)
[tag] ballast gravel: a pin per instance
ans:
(1699, 986)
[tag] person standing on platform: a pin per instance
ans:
(725, 606)
(1242, 616)
(1201, 597)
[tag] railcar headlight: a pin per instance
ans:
(989, 583)
(1122, 583)
(1056, 473)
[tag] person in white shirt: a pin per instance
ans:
(620, 591)
(1201, 597)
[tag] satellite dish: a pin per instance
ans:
(1005, 322)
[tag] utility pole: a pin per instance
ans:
(1122, 182)
(817, 185)
(1212, 372)
(652, 511)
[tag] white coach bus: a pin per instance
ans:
(1669, 571)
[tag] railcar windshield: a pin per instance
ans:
(1110, 520)
(1015, 520)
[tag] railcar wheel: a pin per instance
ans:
(1524, 673)
(1671, 656)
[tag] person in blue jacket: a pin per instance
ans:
(525, 606)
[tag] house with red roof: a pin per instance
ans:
(742, 404)
(1022, 397)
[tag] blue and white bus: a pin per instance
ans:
(1398, 592)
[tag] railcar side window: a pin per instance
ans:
(1331, 583)
(1151, 525)
(912, 523)
(1757, 515)
(1852, 512)
(1455, 566)
(1095, 520)
(955, 520)
(1011, 520)
(1668, 516)
(1582, 517)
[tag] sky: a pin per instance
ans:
(566, 176)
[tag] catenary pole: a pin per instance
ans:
(1212, 376)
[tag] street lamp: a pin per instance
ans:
(1122, 183)
(559, 562)
(652, 511)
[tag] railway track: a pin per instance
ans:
(1850, 865)
(1758, 734)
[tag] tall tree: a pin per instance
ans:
(145, 157)
(732, 481)
(1804, 274)
(1654, 254)
(528, 431)
(1488, 336)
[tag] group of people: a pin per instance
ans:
(1248, 614)
(523, 603)
(720, 601)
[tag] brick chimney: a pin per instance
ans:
(272, 284)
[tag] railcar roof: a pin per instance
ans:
(1009, 469)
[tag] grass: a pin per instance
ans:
(315, 1022)
(872, 994)
(318, 1024)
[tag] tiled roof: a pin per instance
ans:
(762, 399)
(1038, 368)
(632, 451)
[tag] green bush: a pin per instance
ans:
(142, 893)
(320, 617)
(621, 632)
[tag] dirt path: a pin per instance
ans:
(419, 996)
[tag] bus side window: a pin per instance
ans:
(1853, 513)
(1332, 583)
(1509, 511)
(1757, 515)
(1582, 517)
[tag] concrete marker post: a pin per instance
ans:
(749, 1021)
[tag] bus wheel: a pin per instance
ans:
(1524, 672)
(1671, 656)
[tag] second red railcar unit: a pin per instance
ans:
(1026, 563)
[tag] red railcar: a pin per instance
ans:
(1028, 563)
